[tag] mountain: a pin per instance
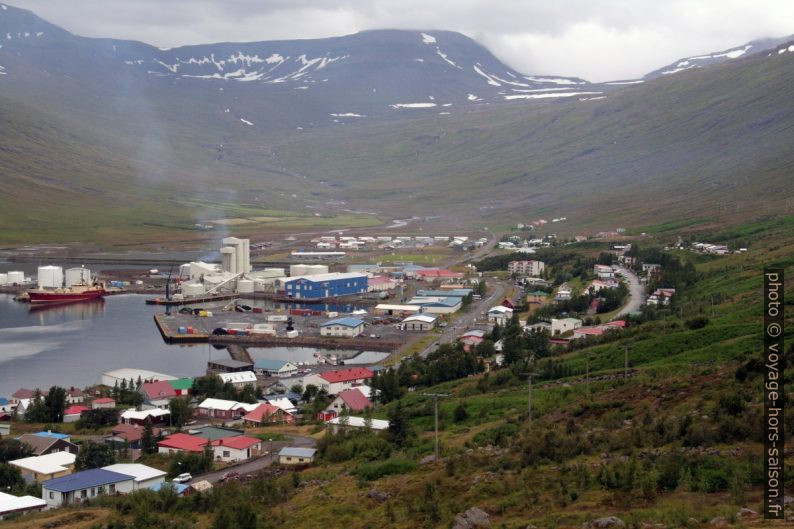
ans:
(117, 140)
(276, 84)
(718, 57)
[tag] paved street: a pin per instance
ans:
(255, 465)
(636, 292)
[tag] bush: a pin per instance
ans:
(697, 322)
(379, 469)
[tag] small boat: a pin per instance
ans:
(66, 295)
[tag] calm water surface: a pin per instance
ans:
(72, 345)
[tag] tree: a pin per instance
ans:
(297, 389)
(461, 413)
(180, 410)
(11, 449)
(398, 426)
(10, 478)
(148, 442)
(94, 455)
(98, 418)
(309, 393)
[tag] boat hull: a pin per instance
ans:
(64, 297)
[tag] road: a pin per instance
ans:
(636, 292)
(469, 318)
(255, 465)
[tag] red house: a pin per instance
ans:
(268, 414)
(182, 442)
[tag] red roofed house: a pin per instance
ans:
(128, 433)
(73, 413)
(158, 394)
(335, 382)
(237, 448)
(583, 332)
(105, 402)
(509, 304)
(350, 399)
(617, 323)
(181, 442)
(268, 414)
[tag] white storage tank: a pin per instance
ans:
(259, 285)
(50, 277)
(3, 279)
(297, 270)
(313, 270)
(245, 286)
(192, 289)
(15, 277)
(78, 276)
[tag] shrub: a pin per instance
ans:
(379, 469)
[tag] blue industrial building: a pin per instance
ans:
(325, 286)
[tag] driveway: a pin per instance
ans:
(255, 465)
(636, 292)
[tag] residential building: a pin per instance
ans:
(143, 477)
(131, 376)
(213, 433)
(334, 382)
(83, 486)
(500, 314)
(526, 268)
(47, 445)
(420, 322)
(600, 284)
(74, 396)
(349, 400)
(434, 274)
(267, 413)
(128, 435)
(49, 466)
(74, 412)
(292, 455)
(603, 272)
(15, 505)
(158, 394)
(239, 379)
(564, 292)
(651, 268)
(182, 386)
(563, 325)
(103, 403)
(224, 409)
(325, 285)
(239, 448)
(275, 368)
(286, 403)
(661, 296)
(139, 417)
(342, 327)
(537, 297)
(182, 442)
(349, 422)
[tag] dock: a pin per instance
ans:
(190, 300)
(169, 330)
(320, 342)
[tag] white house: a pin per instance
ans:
(564, 292)
(342, 327)
(349, 421)
(603, 271)
(275, 368)
(143, 477)
(10, 504)
(237, 448)
(500, 314)
(239, 379)
(83, 486)
(563, 325)
(334, 382)
(48, 466)
(420, 322)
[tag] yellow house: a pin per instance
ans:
(50, 466)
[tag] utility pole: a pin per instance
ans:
(587, 375)
(626, 361)
(529, 397)
(435, 397)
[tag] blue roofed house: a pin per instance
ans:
(275, 368)
(293, 455)
(322, 286)
(54, 435)
(84, 486)
(342, 327)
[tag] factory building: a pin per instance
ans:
(236, 255)
(325, 285)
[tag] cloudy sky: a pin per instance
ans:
(595, 39)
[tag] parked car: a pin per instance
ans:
(230, 475)
(182, 478)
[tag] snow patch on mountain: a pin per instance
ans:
(446, 58)
(490, 80)
(412, 105)
(549, 95)
(428, 39)
(636, 81)
(3, 6)
(246, 121)
(554, 80)
(275, 59)
(472, 97)
(2, 70)
(348, 115)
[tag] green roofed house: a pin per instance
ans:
(182, 386)
(537, 296)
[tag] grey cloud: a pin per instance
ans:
(597, 40)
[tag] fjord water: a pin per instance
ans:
(72, 345)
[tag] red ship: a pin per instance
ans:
(65, 295)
